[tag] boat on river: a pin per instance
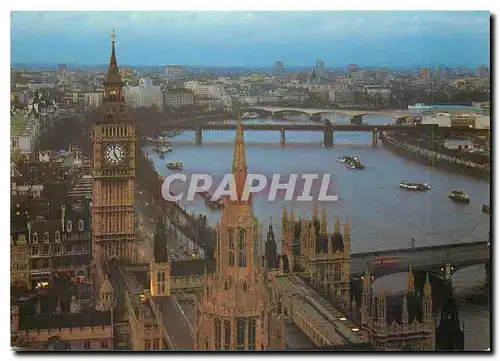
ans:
(175, 166)
(414, 186)
(486, 209)
(347, 159)
(162, 149)
(459, 196)
(355, 165)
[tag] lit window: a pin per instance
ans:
(35, 238)
(69, 226)
(57, 236)
(80, 225)
(355, 329)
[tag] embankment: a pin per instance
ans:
(453, 161)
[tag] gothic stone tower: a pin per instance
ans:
(113, 168)
(240, 308)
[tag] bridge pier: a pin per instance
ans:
(282, 137)
(374, 138)
(198, 136)
(357, 119)
(328, 138)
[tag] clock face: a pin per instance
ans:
(114, 154)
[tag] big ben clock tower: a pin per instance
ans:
(113, 169)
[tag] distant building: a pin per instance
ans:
(93, 100)
(279, 68)
(459, 144)
(424, 73)
(179, 98)
(482, 72)
(351, 69)
(146, 83)
(320, 68)
(173, 70)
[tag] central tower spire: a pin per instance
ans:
(239, 160)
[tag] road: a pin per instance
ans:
(179, 249)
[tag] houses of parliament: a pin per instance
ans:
(244, 296)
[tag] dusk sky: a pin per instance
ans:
(252, 38)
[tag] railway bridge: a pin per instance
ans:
(328, 129)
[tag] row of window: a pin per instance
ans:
(87, 345)
(57, 234)
(156, 344)
(245, 331)
(46, 250)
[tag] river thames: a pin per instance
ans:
(381, 215)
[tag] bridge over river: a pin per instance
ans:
(328, 129)
(316, 111)
(426, 259)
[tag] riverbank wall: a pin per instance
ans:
(437, 159)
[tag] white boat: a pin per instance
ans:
(164, 148)
(414, 186)
(341, 159)
(420, 107)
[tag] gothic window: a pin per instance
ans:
(80, 225)
(156, 344)
(240, 334)
(232, 249)
(227, 335)
(69, 226)
(86, 345)
(35, 238)
(46, 237)
(226, 285)
(251, 334)
(147, 345)
(218, 334)
(161, 282)
(57, 236)
(336, 273)
(245, 286)
(242, 249)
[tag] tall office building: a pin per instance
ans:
(320, 68)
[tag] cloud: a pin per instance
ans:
(266, 24)
(290, 36)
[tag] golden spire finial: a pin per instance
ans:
(113, 36)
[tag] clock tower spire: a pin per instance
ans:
(113, 85)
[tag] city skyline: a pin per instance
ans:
(254, 39)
